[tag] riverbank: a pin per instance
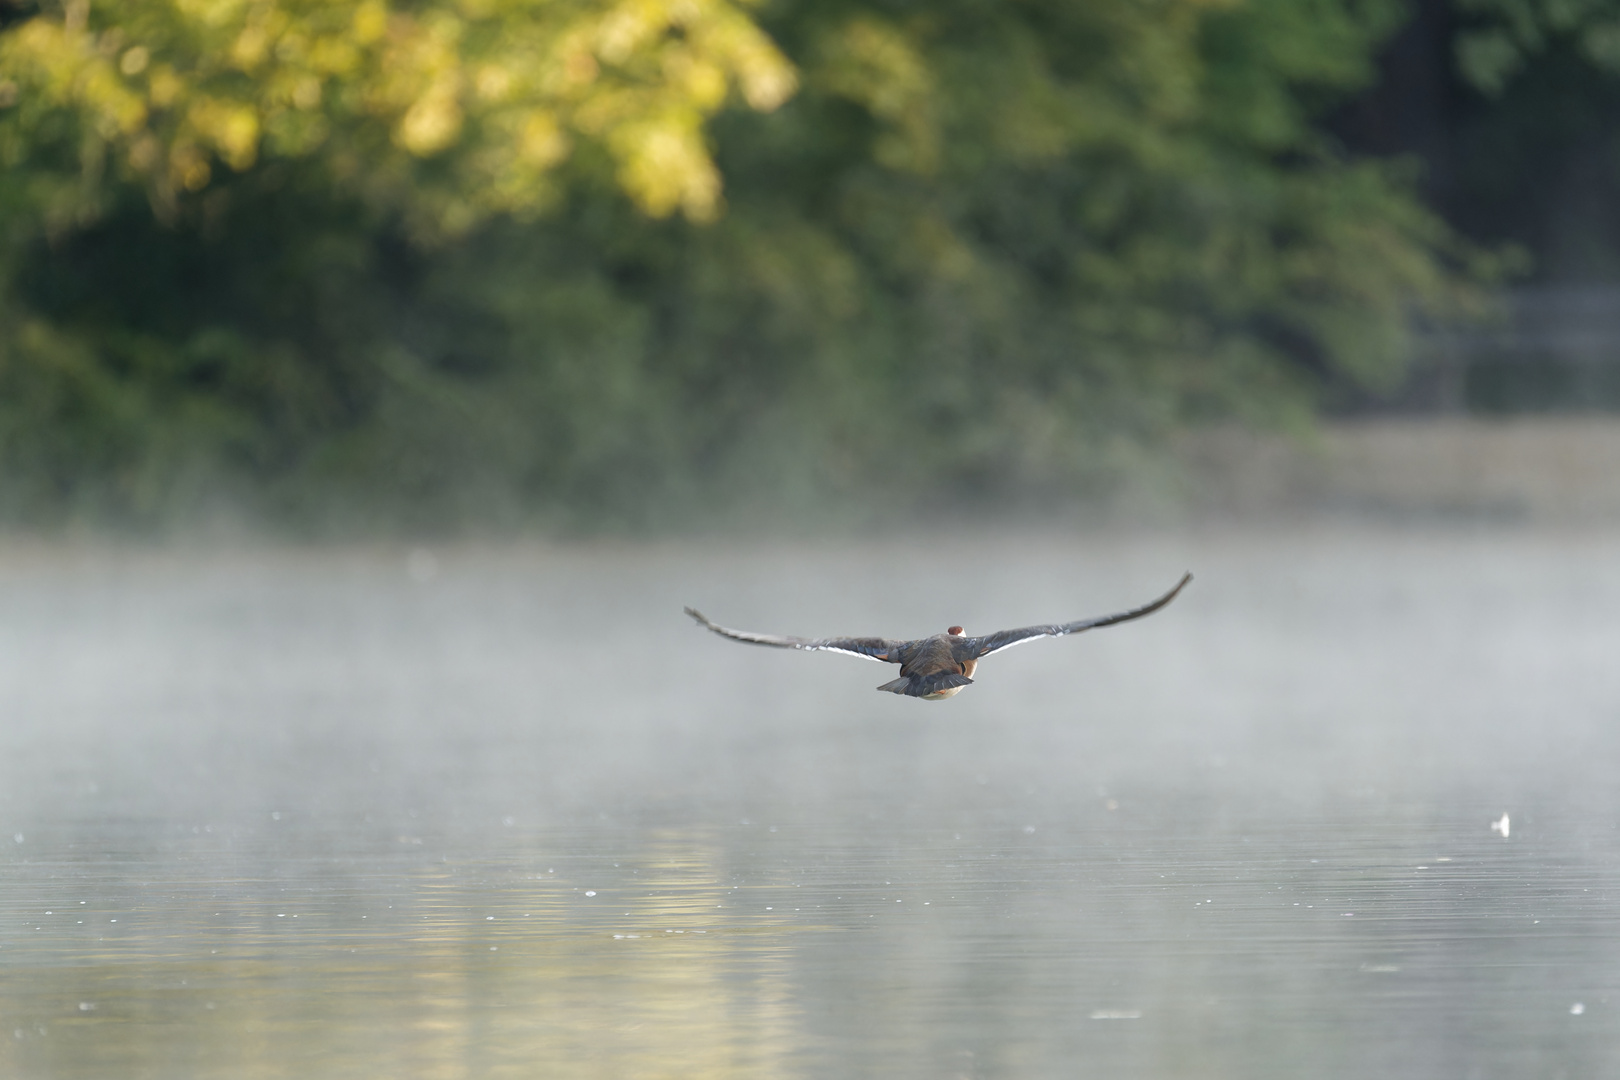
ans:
(1552, 470)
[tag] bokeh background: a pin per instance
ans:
(378, 380)
(631, 266)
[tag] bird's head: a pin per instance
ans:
(954, 631)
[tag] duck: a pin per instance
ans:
(936, 667)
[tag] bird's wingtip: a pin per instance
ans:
(1176, 590)
(696, 614)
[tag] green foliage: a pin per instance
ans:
(1505, 35)
(987, 248)
(447, 111)
(1533, 153)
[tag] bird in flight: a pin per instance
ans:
(937, 667)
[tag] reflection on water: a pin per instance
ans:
(506, 813)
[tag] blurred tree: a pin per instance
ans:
(165, 94)
(1536, 133)
(1512, 107)
(427, 261)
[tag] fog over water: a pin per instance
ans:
(506, 812)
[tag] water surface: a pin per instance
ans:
(505, 812)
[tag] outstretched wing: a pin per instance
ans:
(872, 648)
(976, 647)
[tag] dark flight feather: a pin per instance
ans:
(979, 647)
(872, 648)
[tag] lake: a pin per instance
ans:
(504, 811)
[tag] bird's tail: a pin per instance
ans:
(923, 685)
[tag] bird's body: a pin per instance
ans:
(937, 667)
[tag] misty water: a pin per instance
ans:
(506, 812)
